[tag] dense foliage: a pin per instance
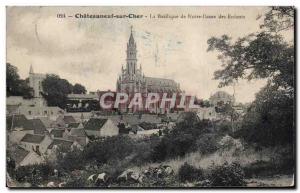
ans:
(189, 173)
(15, 86)
(182, 138)
(227, 175)
(264, 55)
(79, 89)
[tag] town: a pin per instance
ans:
(162, 118)
(36, 130)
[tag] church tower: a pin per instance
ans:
(131, 56)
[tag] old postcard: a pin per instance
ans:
(150, 97)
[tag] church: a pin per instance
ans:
(132, 79)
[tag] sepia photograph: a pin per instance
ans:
(138, 97)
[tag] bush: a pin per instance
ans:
(207, 143)
(173, 146)
(34, 174)
(76, 183)
(182, 138)
(72, 160)
(189, 173)
(259, 168)
(110, 148)
(228, 143)
(227, 175)
(282, 162)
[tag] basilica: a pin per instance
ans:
(132, 79)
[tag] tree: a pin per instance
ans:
(79, 89)
(55, 90)
(254, 56)
(279, 18)
(270, 118)
(263, 55)
(182, 139)
(16, 86)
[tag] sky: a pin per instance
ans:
(92, 51)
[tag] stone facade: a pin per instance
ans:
(35, 82)
(132, 79)
(221, 98)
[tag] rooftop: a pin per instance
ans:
(78, 132)
(95, 124)
(57, 132)
(18, 154)
(20, 121)
(29, 138)
(38, 126)
(69, 119)
(61, 142)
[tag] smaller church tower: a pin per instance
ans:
(31, 70)
(35, 82)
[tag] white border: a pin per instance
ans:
(4, 3)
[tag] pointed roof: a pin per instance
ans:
(31, 70)
(95, 124)
(38, 126)
(131, 39)
(18, 121)
(18, 154)
(29, 138)
(60, 142)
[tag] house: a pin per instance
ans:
(220, 98)
(99, 127)
(148, 132)
(36, 143)
(12, 109)
(135, 128)
(18, 126)
(78, 135)
(148, 125)
(58, 133)
(23, 157)
(38, 126)
(73, 125)
(207, 113)
(65, 120)
(66, 144)
(61, 146)
(32, 112)
(20, 101)
(68, 119)
(47, 122)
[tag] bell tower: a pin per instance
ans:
(131, 56)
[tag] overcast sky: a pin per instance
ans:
(92, 51)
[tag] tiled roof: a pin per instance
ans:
(46, 121)
(148, 126)
(57, 132)
(94, 124)
(12, 108)
(69, 119)
(73, 125)
(18, 154)
(78, 132)
(38, 126)
(29, 138)
(21, 121)
(60, 142)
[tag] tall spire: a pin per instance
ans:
(31, 69)
(131, 55)
(131, 39)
